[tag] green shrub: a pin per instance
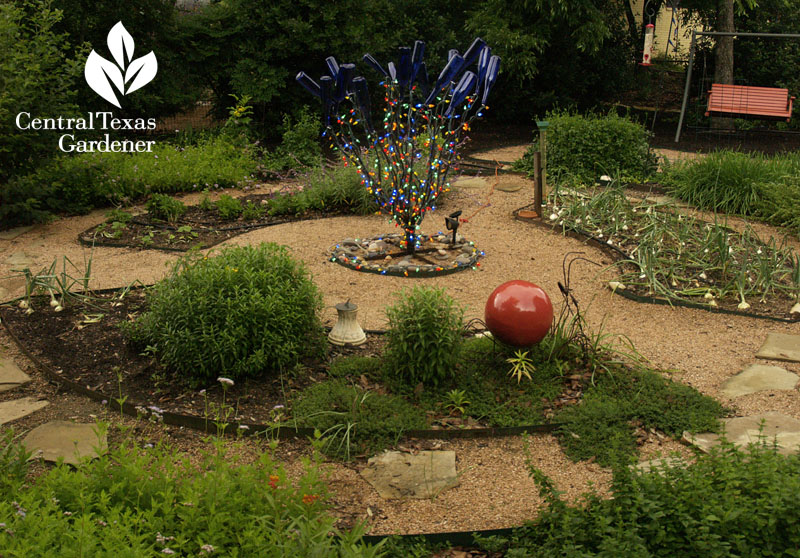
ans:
(136, 501)
(732, 502)
(583, 148)
(79, 183)
(229, 208)
(250, 311)
(166, 208)
(424, 338)
(353, 420)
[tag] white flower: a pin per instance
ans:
(167, 551)
(206, 549)
(225, 381)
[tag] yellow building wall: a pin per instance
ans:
(680, 43)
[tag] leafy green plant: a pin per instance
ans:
(583, 147)
(150, 501)
(456, 401)
(521, 365)
(424, 336)
(118, 215)
(229, 207)
(300, 145)
(205, 202)
(733, 501)
(252, 211)
(248, 311)
(166, 208)
(353, 420)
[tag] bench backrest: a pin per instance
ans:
(744, 98)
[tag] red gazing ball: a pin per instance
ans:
(519, 313)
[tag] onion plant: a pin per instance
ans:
(677, 256)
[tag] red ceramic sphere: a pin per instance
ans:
(519, 313)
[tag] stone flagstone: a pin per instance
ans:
(471, 182)
(659, 463)
(10, 375)
(4, 295)
(780, 346)
(397, 474)
(743, 430)
(18, 408)
(11, 234)
(20, 260)
(68, 440)
(510, 186)
(759, 377)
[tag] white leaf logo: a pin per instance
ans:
(101, 74)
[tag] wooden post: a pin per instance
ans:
(538, 180)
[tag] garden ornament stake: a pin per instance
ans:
(405, 159)
(451, 222)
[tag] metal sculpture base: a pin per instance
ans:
(437, 255)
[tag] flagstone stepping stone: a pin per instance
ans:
(397, 474)
(20, 260)
(10, 375)
(759, 377)
(471, 182)
(69, 441)
(510, 186)
(4, 295)
(780, 346)
(18, 408)
(11, 234)
(659, 463)
(741, 431)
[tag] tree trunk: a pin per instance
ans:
(723, 56)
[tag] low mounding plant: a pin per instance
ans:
(584, 147)
(249, 311)
(424, 337)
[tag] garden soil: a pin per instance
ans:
(696, 347)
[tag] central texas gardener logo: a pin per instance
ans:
(127, 75)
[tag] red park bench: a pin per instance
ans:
(765, 102)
